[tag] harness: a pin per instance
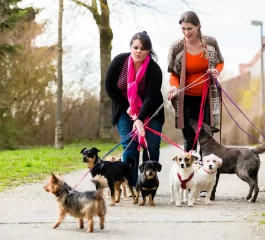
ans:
(183, 182)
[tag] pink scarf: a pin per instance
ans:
(134, 99)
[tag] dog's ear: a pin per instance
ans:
(175, 158)
(220, 161)
(95, 149)
(194, 158)
(158, 167)
(215, 130)
(82, 151)
(54, 178)
(141, 167)
(204, 159)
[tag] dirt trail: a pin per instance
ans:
(28, 212)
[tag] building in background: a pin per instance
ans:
(244, 89)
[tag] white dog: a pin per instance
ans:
(205, 176)
(182, 177)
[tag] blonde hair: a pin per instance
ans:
(192, 17)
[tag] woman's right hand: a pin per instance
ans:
(172, 92)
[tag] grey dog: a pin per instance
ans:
(245, 163)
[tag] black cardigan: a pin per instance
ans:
(153, 97)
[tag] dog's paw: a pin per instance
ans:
(112, 204)
(142, 203)
(190, 204)
(248, 197)
(117, 200)
(151, 203)
(56, 225)
(209, 203)
(178, 205)
(81, 224)
(172, 200)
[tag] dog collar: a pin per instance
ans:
(209, 172)
(207, 140)
(183, 182)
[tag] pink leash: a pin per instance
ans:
(201, 114)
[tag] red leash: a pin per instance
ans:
(201, 114)
(163, 136)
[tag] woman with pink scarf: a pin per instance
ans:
(133, 82)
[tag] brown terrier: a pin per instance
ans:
(79, 204)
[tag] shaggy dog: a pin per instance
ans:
(79, 204)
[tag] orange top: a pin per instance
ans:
(196, 66)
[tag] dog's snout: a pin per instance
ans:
(182, 165)
(210, 166)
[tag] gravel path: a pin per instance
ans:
(28, 212)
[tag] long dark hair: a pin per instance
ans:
(192, 17)
(146, 42)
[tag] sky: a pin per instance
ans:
(229, 21)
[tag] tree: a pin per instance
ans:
(106, 36)
(25, 86)
(59, 144)
(10, 15)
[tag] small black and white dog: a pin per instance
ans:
(148, 182)
(115, 172)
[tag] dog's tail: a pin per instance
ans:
(132, 162)
(259, 149)
(100, 183)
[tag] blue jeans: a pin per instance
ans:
(125, 125)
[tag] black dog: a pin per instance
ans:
(147, 182)
(115, 172)
(245, 163)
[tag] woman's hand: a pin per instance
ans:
(214, 72)
(129, 112)
(172, 92)
(139, 126)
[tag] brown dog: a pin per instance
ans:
(79, 204)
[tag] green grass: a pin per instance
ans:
(32, 165)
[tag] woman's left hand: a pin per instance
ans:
(214, 72)
(138, 124)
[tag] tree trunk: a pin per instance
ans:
(106, 36)
(59, 114)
